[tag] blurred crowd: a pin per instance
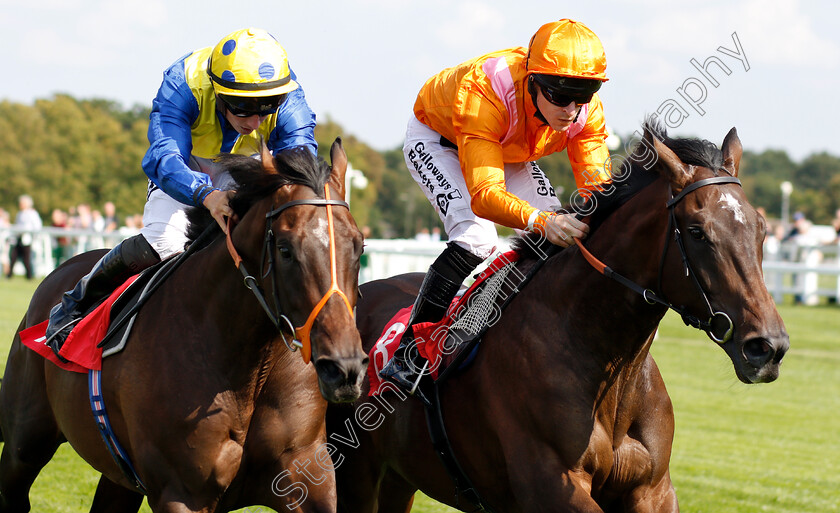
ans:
(801, 231)
(86, 229)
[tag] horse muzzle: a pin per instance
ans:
(760, 358)
(340, 378)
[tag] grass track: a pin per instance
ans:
(765, 448)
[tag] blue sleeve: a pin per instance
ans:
(295, 123)
(174, 110)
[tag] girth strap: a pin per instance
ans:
(440, 442)
(434, 414)
(100, 415)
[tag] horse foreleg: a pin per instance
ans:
(30, 432)
(18, 471)
(366, 491)
(569, 494)
(659, 498)
(396, 495)
(548, 486)
(302, 481)
(113, 498)
(167, 503)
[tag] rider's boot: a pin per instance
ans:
(125, 260)
(439, 287)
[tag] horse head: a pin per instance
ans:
(309, 262)
(711, 263)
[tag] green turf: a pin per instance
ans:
(738, 448)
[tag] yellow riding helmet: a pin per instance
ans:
(567, 48)
(251, 63)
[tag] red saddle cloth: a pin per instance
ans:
(80, 347)
(431, 335)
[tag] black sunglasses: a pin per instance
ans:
(562, 99)
(243, 107)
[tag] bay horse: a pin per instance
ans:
(212, 408)
(563, 408)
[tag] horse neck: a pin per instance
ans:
(599, 319)
(242, 335)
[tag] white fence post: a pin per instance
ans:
(810, 279)
(45, 240)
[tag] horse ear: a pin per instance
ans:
(670, 166)
(339, 166)
(732, 151)
(267, 158)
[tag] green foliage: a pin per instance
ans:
(63, 152)
(762, 174)
(816, 183)
(392, 205)
(817, 175)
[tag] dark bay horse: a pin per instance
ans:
(212, 408)
(563, 408)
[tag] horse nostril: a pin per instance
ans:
(354, 368)
(330, 370)
(341, 370)
(758, 351)
(360, 368)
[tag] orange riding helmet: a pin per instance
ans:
(567, 60)
(567, 48)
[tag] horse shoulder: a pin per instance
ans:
(644, 430)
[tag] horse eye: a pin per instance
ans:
(285, 252)
(696, 233)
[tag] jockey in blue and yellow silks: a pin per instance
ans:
(221, 99)
(187, 119)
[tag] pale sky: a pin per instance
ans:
(362, 62)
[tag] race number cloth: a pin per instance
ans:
(433, 341)
(384, 349)
(80, 347)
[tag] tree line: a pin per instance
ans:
(64, 151)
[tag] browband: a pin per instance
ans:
(315, 201)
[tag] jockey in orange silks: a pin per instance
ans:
(472, 144)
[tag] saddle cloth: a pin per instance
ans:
(82, 345)
(467, 317)
(80, 348)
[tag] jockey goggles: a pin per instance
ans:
(562, 91)
(247, 106)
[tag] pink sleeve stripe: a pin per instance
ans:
(502, 82)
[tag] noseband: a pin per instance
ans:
(301, 339)
(653, 298)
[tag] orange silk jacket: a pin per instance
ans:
(484, 107)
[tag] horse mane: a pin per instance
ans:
(295, 166)
(635, 175)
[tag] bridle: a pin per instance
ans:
(301, 335)
(652, 297)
